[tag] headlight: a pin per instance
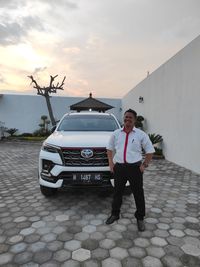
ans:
(50, 148)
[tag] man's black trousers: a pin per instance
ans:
(123, 173)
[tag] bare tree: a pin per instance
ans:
(46, 91)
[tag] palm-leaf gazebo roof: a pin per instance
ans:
(90, 103)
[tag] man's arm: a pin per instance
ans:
(110, 160)
(147, 159)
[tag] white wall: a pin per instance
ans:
(24, 111)
(172, 105)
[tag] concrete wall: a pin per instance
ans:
(24, 111)
(171, 105)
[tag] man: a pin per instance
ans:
(125, 160)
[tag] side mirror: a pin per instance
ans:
(53, 128)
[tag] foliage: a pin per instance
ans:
(11, 131)
(158, 151)
(32, 138)
(155, 138)
(26, 134)
(41, 132)
(44, 127)
(139, 122)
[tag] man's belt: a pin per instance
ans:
(138, 163)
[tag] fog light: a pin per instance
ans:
(47, 165)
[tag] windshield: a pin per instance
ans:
(88, 123)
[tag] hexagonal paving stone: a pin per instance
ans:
(163, 226)
(177, 233)
(15, 239)
(176, 241)
(114, 235)
(81, 236)
(191, 249)
(110, 262)
(55, 245)
(97, 236)
(5, 258)
(170, 261)
(96, 222)
(91, 263)
(19, 247)
(119, 227)
(173, 251)
(188, 260)
(48, 237)
(137, 252)
(99, 254)
(118, 253)
(192, 219)
(142, 242)
(107, 243)
(37, 246)
(38, 224)
(131, 262)
(151, 262)
(62, 255)
(156, 252)
(90, 244)
(157, 241)
(62, 218)
(156, 210)
(89, 228)
(27, 231)
(161, 233)
(72, 245)
(81, 254)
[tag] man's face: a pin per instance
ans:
(129, 119)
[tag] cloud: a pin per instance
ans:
(11, 33)
(14, 32)
(40, 69)
(102, 46)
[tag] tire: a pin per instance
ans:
(127, 191)
(48, 191)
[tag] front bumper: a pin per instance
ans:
(58, 175)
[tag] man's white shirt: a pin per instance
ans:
(136, 141)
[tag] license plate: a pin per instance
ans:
(87, 177)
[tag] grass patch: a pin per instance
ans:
(27, 138)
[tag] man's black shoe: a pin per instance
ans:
(111, 219)
(140, 225)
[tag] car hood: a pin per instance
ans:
(79, 139)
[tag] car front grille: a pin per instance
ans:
(72, 157)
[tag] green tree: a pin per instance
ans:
(12, 131)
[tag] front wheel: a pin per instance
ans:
(48, 191)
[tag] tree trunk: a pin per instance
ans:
(53, 122)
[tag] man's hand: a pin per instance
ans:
(142, 168)
(110, 160)
(111, 165)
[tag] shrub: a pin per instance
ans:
(139, 122)
(155, 138)
(27, 134)
(11, 131)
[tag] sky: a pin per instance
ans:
(102, 46)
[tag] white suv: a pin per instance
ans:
(74, 155)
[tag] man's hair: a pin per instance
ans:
(131, 111)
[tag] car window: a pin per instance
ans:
(88, 123)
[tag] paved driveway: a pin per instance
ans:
(69, 230)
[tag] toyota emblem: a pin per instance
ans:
(86, 153)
